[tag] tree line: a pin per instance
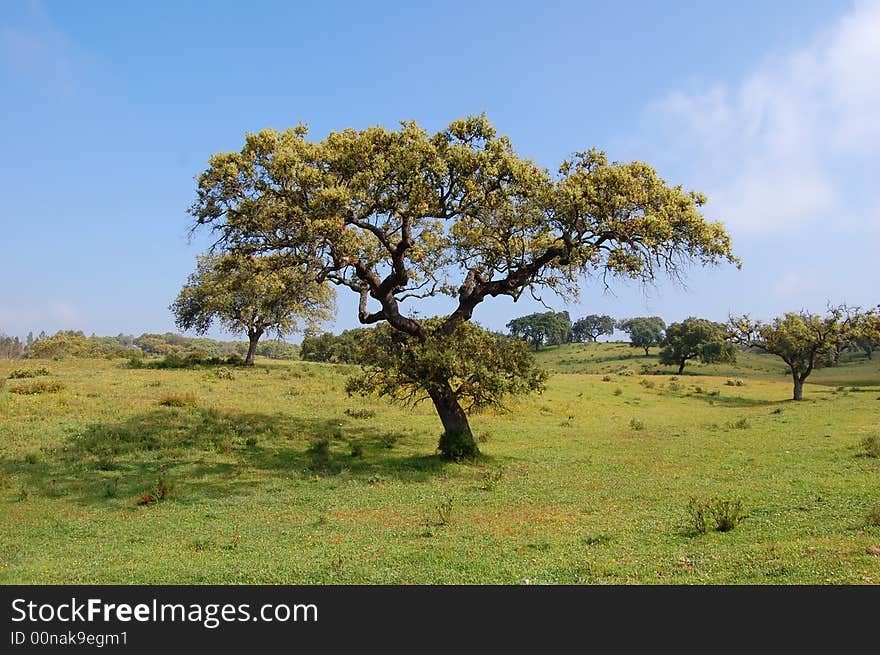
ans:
(74, 343)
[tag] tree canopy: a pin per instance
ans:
(644, 331)
(252, 295)
(401, 215)
(696, 338)
(551, 328)
(591, 327)
(804, 341)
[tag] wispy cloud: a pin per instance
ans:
(786, 144)
(34, 51)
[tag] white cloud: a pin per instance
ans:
(784, 145)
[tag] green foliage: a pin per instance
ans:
(644, 331)
(361, 413)
(544, 328)
(21, 373)
(11, 347)
(696, 338)
(342, 349)
(804, 341)
(37, 387)
(590, 328)
(479, 367)
(177, 400)
(253, 296)
(870, 446)
(720, 514)
(65, 343)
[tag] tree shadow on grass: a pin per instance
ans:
(212, 453)
(734, 401)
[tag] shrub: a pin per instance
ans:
(618, 391)
(491, 478)
(648, 384)
(40, 386)
(674, 386)
(389, 439)
(741, 423)
(319, 455)
(870, 446)
(606, 378)
(357, 450)
(19, 373)
(735, 383)
(361, 413)
(636, 424)
(162, 491)
(224, 373)
(177, 400)
(721, 515)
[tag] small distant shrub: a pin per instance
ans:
(224, 373)
(111, 488)
(698, 389)
(389, 439)
(40, 386)
(870, 446)
(485, 436)
(443, 510)
(636, 424)
(491, 478)
(357, 450)
(778, 410)
(674, 386)
(618, 391)
(319, 454)
(361, 413)
(674, 378)
(648, 384)
(714, 393)
(23, 494)
(250, 442)
(741, 423)
(177, 400)
(721, 515)
(31, 458)
(135, 362)
(606, 378)
(20, 373)
(161, 492)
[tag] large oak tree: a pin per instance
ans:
(398, 216)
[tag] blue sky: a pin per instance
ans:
(110, 109)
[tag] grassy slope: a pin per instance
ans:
(583, 496)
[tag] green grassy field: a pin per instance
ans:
(588, 482)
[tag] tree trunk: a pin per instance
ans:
(457, 441)
(646, 351)
(681, 366)
(253, 338)
(798, 387)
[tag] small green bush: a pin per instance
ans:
(870, 446)
(361, 413)
(20, 373)
(741, 423)
(177, 400)
(719, 514)
(636, 424)
(648, 384)
(618, 391)
(40, 386)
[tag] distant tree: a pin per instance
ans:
(277, 349)
(341, 349)
(804, 341)
(542, 328)
(590, 328)
(66, 343)
(251, 295)
(10, 347)
(644, 331)
(696, 338)
(865, 330)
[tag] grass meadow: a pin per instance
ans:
(110, 474)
